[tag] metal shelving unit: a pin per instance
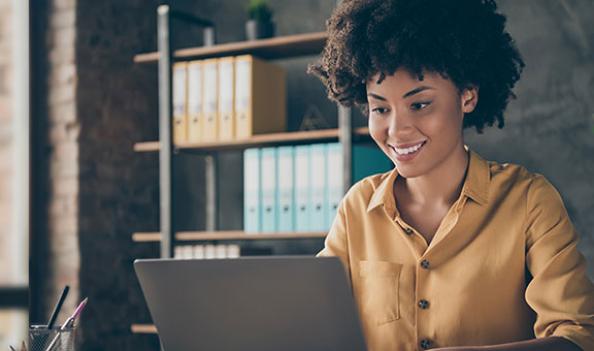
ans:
(274, 48)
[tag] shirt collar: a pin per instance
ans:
(476, 184)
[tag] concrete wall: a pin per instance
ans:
(550, 127)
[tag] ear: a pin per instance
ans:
(469, 98)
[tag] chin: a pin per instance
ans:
(408, 171)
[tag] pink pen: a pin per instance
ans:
(69, 322)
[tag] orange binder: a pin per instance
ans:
(260, 97)
(195, 101)
(226, 87)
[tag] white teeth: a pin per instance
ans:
(408, 150)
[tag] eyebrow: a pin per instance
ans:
(410, 93)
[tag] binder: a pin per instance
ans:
(251, 191)
(233, 251)
(334, 181)
(199, 252)
(286, 189)
(221, 251)
(268, 185)
(317, 188)
(368, 160)
(211, 100)
(260, 97)
(210, 252)
(226, 98)
(180, 94)
(195, 101)
(302, 202)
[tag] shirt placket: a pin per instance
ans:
(425, 338)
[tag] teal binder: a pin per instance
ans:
(251, 191)
(317, 188)
(302, 202)
(368, 160)
(286, 189)
(268, 187)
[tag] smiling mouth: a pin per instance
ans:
(409, 150)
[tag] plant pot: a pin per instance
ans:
(258, 30)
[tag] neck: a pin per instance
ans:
(443, 184)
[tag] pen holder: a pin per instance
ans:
(40, 338)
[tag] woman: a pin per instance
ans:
(447, 251)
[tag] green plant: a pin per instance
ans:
(259, 10)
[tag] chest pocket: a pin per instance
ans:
(379, 288)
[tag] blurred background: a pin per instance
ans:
(73, 103)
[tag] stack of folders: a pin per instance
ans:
(207, 251)
(227, 98)
(299, 188)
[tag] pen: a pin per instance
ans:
(58, 307)
(69, 322)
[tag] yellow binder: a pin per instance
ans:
(180, 85)
(195, 101)
(260, 97)
(226, 98)
(211, 104)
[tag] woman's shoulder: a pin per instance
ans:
(363, 190)
(518, 177)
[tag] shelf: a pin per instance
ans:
(14, 296)
(273, 48)
(143, 329)
(257, 140)
(226, 235)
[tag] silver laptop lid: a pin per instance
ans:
(251, 304)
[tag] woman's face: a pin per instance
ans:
(418, 124)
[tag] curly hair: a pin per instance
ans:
(462, 40)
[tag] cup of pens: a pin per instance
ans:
(54, 337)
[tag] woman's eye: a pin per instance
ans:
(379, 110)
(419, 105)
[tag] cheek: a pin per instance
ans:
(443, 123)
(377, 130)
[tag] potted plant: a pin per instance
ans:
(260, 23)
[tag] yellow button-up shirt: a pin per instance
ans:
(503, 265)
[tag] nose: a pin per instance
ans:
(399, 123)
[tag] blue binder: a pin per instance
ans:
(268, 187)
(334, 180)
(251, 191)
(302, 202)
(317, 188)
(286, 198)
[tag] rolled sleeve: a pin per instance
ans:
(560, 291)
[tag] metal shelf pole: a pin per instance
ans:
(165, 132)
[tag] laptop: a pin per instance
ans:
(251, 304)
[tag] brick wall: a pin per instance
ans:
(62, 157)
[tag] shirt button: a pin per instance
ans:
(425, 264)
(424, 304)
(426, 343)
(408, 231)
